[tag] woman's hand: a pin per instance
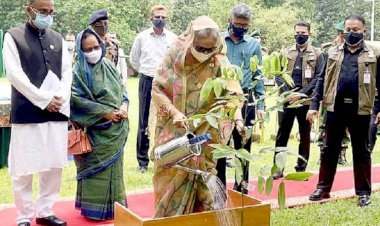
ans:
(113, 116)
(123, 112)
(179, 119)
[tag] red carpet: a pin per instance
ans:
(142, 204)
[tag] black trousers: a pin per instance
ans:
(373, 127)
(248, 112)
(145, 96)
(285, 128)
(358, 125)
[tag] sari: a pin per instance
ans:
(98, 91)
(177, 84)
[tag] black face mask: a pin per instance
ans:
(101, 30)
(237, 31)
(353, 38)
(301, 39)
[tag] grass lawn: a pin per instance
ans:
(334, 213)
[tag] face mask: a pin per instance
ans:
(237, 31)
(43, 22)
(70, 45)
(353, 38)
(301, 39)
(94, 56)
(201, 57)
(101, 30)
(159, 23)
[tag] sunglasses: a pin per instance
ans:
(204, 50)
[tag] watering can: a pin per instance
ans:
(172, 153)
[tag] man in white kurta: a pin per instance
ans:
(39, 136)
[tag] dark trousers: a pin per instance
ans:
(248, 112)
(286, 125)
(142, 146)
(358, 126)
(373, 127)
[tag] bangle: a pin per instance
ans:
(236, 120)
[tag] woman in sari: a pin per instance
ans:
(99, 104)
(196, 56)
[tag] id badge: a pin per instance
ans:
(367, 77)
(308, 72)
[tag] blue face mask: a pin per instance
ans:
(43, 22)
(159, 23)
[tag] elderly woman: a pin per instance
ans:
(99, 104)
(195, 57)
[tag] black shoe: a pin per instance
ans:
(318, 195)
(299, 169)
(278, 175)
(143, 169)
(24, 224)
(51, 221)
(364, 200)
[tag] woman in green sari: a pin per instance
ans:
(99, 103)
(197, 55)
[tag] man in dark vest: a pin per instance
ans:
(305, 62)
(38, 66)
(347, 89)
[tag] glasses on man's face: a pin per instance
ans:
(244, 26)
(160, 17)
(44, 12)
(204, 50)
(89, 50)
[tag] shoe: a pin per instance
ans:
(318, 195)
(143, 169)
(299, 169)
(24, 224)
(364, 200)
(278, 175)
(51, 221)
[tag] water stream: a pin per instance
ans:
(218, 192)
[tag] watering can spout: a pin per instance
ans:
(205, 175)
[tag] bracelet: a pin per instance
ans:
(236, 120)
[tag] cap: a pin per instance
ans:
(256, 33)
(340, 26)
(98, 15)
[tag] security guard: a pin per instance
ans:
(347, 89)
(304, 62)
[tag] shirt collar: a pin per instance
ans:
(226, 35)
(309, 48)
(151, 31)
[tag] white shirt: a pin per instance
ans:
(38, 147)
(122, 66)
(149, 49)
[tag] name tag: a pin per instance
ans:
(308, 72)
(367, 77)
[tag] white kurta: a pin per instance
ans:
(38, 147)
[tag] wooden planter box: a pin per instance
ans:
(255, 214)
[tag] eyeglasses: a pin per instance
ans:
(44, 12)
(204, 50)
(160, 17)
(91, 49)
(244, 26)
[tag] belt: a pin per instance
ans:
(147, 77)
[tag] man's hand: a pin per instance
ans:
(377, 120)
(293, 99)
(55, 104)
(260, 113)
(242, 130)
(310, 115)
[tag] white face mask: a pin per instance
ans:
(70, 45)
(94, 56)
(201, 57)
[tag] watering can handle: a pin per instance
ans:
(200, 139)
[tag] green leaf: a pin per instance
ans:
(196, 122)
(197, 116)
(281, 159)
(260, 184)
(284, 62)
(254, 63)
(219, 153)
(218, 87)
(275, 169)
(238, 171)
(212, 121)
(266, 150)
(222, 147)
(265, 171)
(277, 63)
(281, 195)
(269, 186)
(288, 79)
(206, 90)
(299, 176)
(244, 154)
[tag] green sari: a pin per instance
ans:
(98, 91)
